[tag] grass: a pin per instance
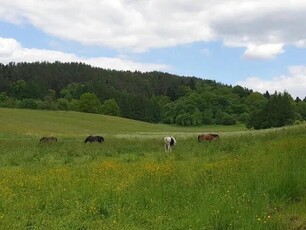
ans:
(32, 123)
(246, 180)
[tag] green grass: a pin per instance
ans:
(245, 180)
(35, 123)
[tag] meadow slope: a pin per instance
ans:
(33, 123)
(245, 180)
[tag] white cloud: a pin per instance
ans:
(301, 43)
(294, 83)
(266, 51)
(12, 51)
(8, 46)
(132, 25)
(135, 25)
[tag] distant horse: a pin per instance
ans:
(48, 139)
(208, 137)
(94, 139)
(169, 143)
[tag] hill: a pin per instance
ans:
(154, 97)
(69, 124)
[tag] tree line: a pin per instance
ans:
(152, 96)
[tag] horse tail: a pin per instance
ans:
(199, 138)
(171, 141)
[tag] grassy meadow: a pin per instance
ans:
(245, 180)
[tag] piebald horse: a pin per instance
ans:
(208, 137)
(169, 143)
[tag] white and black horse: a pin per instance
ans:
(169, 143)
(94, 139)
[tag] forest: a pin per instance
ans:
(155, 97)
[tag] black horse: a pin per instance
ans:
(94, 139)
(48, 139)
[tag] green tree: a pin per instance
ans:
(184, 119)
(27, 103)
(168, 113)
(4, 100)
(73, 91)
(256, 101)
(208, 116)
(301, 109)
(89, 103)
(280, 110)
(110, 107)
(63, 104)
(277, 112)
(242, 92)
(50, 100)
(224, 118)
(197, 117)
(74, 105)
(158, 102)
(19, 89)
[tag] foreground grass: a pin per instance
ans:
(245, 182)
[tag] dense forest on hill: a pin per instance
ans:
(151, 96)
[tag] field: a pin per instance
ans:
(245, 180)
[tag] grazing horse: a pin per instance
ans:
(208, 137)
(94, 139)
(169, 142)
(48, 139)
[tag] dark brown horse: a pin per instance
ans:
(48, 139)
(208, 137)
(94, 139)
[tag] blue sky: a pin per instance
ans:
(256, 44)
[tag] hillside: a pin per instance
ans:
(154, 97)
(68, 124)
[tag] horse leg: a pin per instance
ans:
(167, 148)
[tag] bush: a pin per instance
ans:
(27, 104)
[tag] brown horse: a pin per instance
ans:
(48, 139)
(208, 137)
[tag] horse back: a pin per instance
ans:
(207, 137)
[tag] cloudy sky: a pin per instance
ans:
(257, 44)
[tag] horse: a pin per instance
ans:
(94, 139)
(48, 139)
(169, 143)
(208, 137)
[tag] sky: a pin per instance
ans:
(258, 44)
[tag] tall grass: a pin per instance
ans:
(242, 181)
